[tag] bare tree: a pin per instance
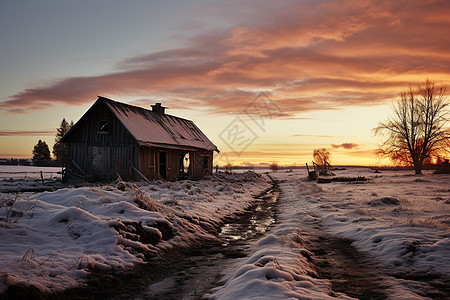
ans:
(418, 128)
(321, 158)
(229, 168)
(274, 167)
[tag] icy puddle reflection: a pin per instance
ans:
(254, 223)
(195, 275)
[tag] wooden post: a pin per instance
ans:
(142, 175)
(312, 175)
(80, 169)
(42, 177)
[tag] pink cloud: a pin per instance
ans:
(27, 133)
(347, 146)
(313, 55)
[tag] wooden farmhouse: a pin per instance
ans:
(115, 139)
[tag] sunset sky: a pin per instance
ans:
(266, 81)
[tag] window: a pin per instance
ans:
(103, 127)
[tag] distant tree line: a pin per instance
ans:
(15, 161)
(41, 151)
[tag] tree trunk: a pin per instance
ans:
(418, 168)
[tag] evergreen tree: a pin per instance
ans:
(41, 153)
(60, 149)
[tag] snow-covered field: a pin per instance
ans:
(28, 178)
(28, 172)
(401, 220)
(52, 240)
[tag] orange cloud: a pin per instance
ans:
(347, 146)
(309, 55)
(364, 153)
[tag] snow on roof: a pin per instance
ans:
(159, 130)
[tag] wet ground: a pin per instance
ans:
(192, 273)
(349, 270)
(196, 274)
(182, 273)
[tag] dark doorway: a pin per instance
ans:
(163, 164)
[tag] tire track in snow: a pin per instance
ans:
(349, 271)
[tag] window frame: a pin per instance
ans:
(101, 124)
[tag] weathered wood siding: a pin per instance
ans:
(173, 164)
(106, 154)
(88, 132)
(103, 162)
(149, 163)
(201, 163)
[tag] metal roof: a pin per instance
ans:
(158, 130)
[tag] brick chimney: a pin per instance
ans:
(158, 108)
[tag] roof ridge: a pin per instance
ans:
(150, 128)
(139, 107)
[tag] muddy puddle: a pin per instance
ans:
(255, 223)
(195, 275)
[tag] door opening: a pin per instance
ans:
(185, 163)
(163, 165)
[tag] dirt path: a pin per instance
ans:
(350, 271)
(199, 271)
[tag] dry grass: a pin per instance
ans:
(10, 204)
(142, 200)
(428, 223)
(31, 208)
(4, 275)
(80, 262)
(29, 255)
(50, 259)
